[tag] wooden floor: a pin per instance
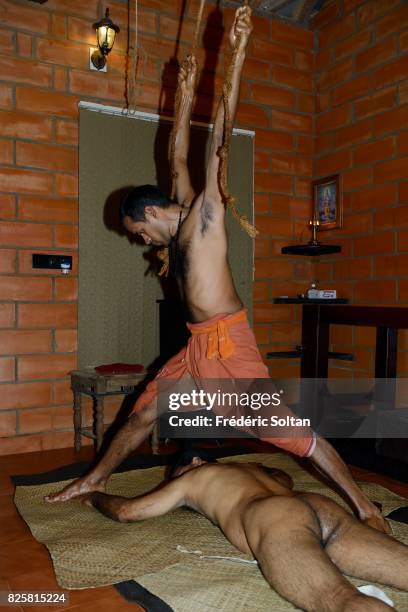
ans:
(25, 565)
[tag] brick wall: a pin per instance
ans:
(43, 74)
(361, 133)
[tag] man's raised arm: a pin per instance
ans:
(239, 35)
(187, 77)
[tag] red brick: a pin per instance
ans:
(349, 269)
(7, 44)
(306, 103)
(391, 170)
(97, 86)
(273, 182)
(371, 11)
(291, 122)
(59, 27)
(353, 89)
(391, 265)
(262, 247)
(20, 444)
(7, 206)
(48, 102)
(303, 188)
(21, 125)
(6, 152)
(60, 78)
(24, 44)
(334, 119)
(66, 132)
(403, 192)
(251, 115)
(271, 52)
(353, 134)
(8, 423)
(260, 291)
(333, 75)
(45, 366)
(66, 236)
(356, 178)
(7, 369)
(289, 164)
(333, 163)
(391, 121)
(279, 141)
(322, 102)
(41, 316)
(24, 17)
(62, 392)
(403, 290)
(323, 59)
(47, 157)
(292, 35)
(261, 161)
(25, 263)
(373, 151)
(31, 421)
(327, 14)
(273, 96)
(374, 244)
(353, 44)
(25, 234)
(392, 22)
(376, 103)
(336, 31)
(306, 145)
(304, 60)
(25, 71)
(273, 226)
(64, 53)
(374, 197)
(25, 395)
(403, 41)
(7, 315)
(402, 143)
(266, 313)
(292, 78)
(26, 289)
(375, 292)
(7, 260)
(376, 55)
(6, 97)
(66, 185)
(261, 334)
(261, 203)
(403, 241)
(273, 269)
(256, 70)
(356, 224)
(66, 340)
(48, 209)
(66, 289)
(401, 216)
(293, 207)
(17, 342)
(391, 73)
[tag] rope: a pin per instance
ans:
(223, 151)
(177, 104)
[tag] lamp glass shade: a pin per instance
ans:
(105, 37)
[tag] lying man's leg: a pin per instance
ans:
(129, 437)
(285, 536)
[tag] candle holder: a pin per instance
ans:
(314, 224)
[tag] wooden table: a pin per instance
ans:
(98, 386)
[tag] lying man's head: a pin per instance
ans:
(189, 460)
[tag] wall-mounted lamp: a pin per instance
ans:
(106, 31)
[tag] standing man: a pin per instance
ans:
(222, 345)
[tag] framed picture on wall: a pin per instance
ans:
(328, 202)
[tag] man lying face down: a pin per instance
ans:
(303, 542)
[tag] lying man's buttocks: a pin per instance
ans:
(303, 542)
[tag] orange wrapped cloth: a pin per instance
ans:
(224, 347)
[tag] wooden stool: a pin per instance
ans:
(99, 386)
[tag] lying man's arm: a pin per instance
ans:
(241, 29)
(124, 509)
(187, 77)
(327, 460)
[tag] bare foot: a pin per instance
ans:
(79, 487)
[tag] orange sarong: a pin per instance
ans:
(224, 347)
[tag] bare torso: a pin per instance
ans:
(222, 493)
(203, 271)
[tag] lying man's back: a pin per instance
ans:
(300, 540)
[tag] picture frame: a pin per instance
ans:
(328, 202)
